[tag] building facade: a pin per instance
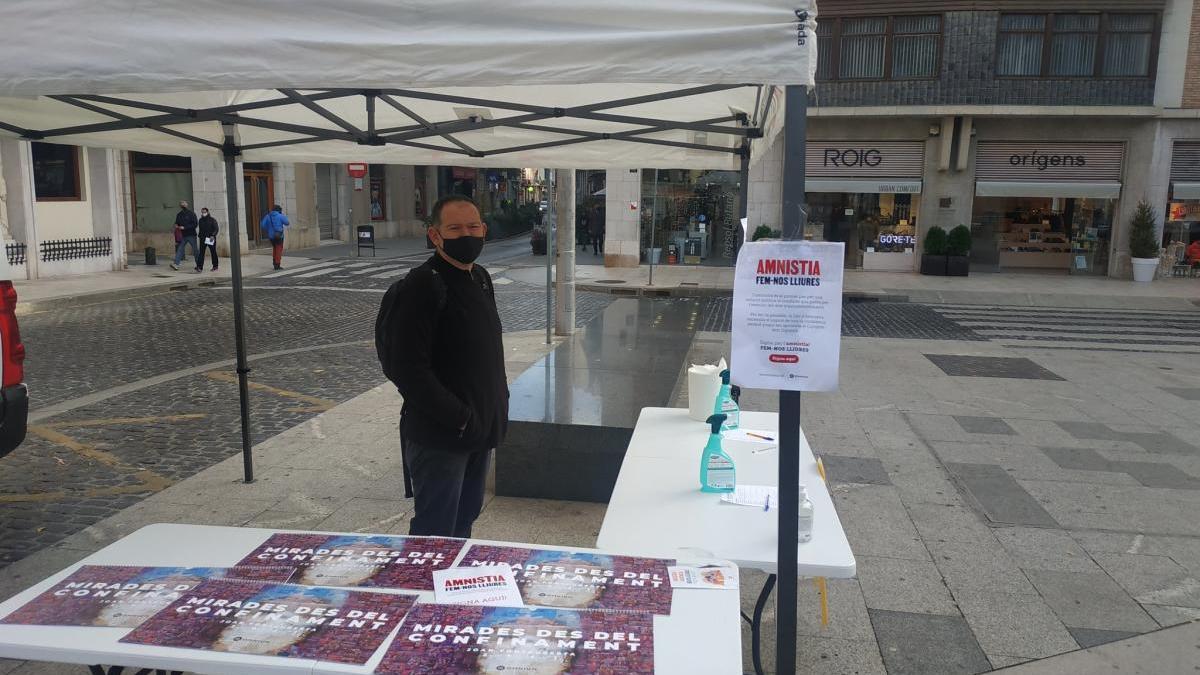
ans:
(1040, 125)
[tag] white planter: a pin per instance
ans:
(1143, 269)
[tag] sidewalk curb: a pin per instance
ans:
(186, 282)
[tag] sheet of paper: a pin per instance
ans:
(488, 587)
(209, 241)
(752, 495)
(758, 436)
(787, 315)
(718, 577)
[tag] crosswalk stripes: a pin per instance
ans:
(290, 271)
(1043, 325)
(390, 273)
(317, 273)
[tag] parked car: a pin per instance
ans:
(14, 396)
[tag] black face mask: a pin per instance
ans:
(463, 249)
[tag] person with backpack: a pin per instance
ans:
(438, 338)
(272, 226)
(208, 239)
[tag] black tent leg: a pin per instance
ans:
(239, 312)
(756, 624)
(794, 131)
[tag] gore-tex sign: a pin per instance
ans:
(787, 315)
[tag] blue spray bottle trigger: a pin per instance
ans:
(725, 376)
(715, 421)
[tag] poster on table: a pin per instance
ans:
(264, 619)
(581, 580)
(398, 562)
(787, 315)
(113, 596)
(503, 640)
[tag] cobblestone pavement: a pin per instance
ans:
(94, 460)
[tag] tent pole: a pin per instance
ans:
(231, 151)
(548, 221)
(743, 199)
(795, 130)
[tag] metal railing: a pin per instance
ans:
(15, 252)
(74, 249)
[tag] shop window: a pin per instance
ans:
(1075, 45)
(1062, 233)
(378, 193)
(879, 47)
(56, 172)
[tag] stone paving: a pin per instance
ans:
(93, 459)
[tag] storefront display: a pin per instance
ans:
(679, 206)
(1182, 221)
(867, 195)
(1045, 205)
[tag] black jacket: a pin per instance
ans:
(187, 220)
(450, 361)
(208, 226)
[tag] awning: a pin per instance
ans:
(1185, 190)
(1098, 190)
(626, 83)
(863, 185)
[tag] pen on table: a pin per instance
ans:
(767, 504)
(759, 436)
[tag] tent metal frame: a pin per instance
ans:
(745, 128)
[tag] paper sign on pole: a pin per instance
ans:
(787, 315)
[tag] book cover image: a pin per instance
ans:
(267, 619)
(358, 561)
(581, 580)
(455, 639)
(122, 596)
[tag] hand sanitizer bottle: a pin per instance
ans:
(725, 405)
(716, 467)
(805, 521)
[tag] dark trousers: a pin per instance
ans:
(200, 255)
(597, 243)
(447, 489)
(277, 251)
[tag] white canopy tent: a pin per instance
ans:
(554, 83)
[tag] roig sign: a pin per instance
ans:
(900, 160)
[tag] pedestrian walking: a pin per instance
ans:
(438, 338)
(208, 239)
(273, 225)
(185, 234)
(596, 227)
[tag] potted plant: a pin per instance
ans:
(1143, 244)
(958, 249)
(933, 257)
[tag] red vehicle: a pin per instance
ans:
(14, 396)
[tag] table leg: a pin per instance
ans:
(756, 624)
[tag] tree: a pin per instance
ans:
(1143, 241)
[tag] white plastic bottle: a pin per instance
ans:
(805, 521)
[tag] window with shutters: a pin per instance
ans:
(879, 47)
(1076, 45)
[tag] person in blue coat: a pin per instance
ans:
(272, 226)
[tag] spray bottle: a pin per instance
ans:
(716, 467)
(725, 405)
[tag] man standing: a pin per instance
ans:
(596, 227)
(447, 360)
(185, 225)
(272, 226)
(208, 239)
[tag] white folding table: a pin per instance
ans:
(701, 635)
(658, 510)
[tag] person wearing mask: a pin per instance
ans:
(273, 225)
(208, 239)
(448, 364)
(185, 228)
